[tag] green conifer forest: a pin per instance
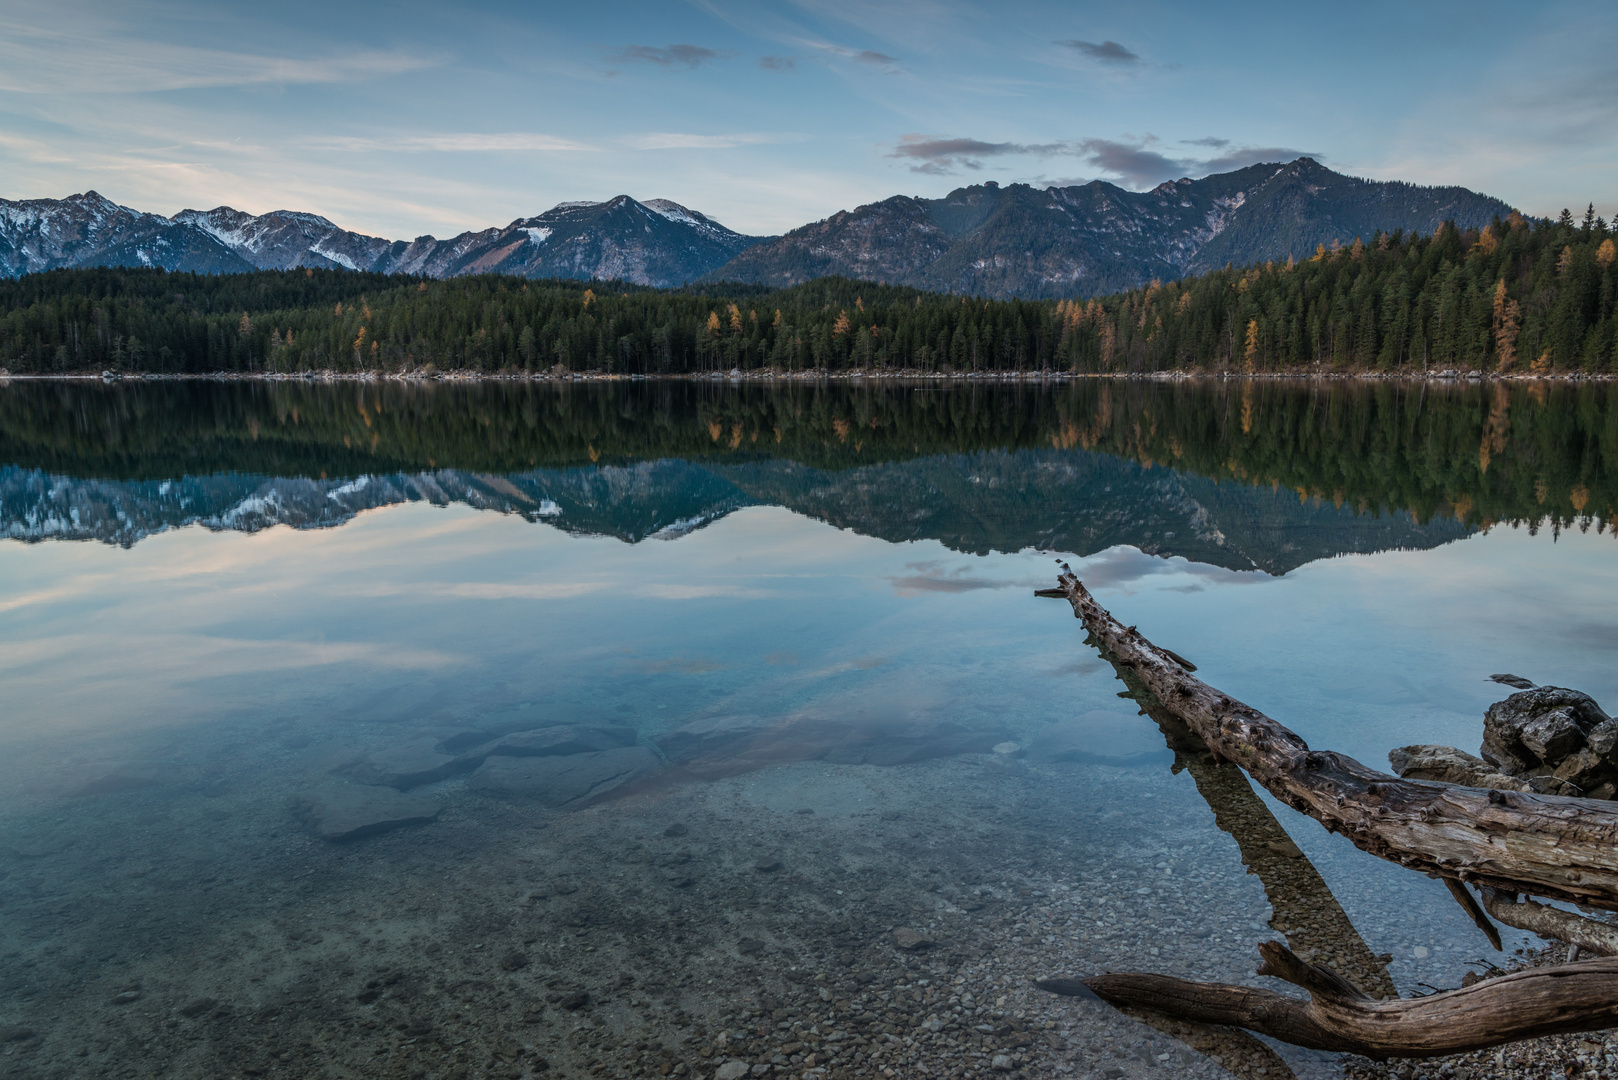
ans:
(1517, 296)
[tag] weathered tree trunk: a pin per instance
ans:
(1589, 935)
(1336, 1017)
(1550, 846)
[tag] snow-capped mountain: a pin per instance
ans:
(1018, 240)
(982, 240)
(655, 243)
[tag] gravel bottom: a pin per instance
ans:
(812, 921)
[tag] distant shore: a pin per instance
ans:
(766, 375)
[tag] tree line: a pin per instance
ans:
(1515, 296)
(1480, 454)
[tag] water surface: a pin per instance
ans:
(804, 616)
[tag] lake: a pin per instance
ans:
(708, 729)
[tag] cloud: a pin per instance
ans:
(940, 156)
(864, 56)
(41, 62)
(455, 142)
(1135, 163)
(777, 63)
(670, 56)
(1108, 52)
(1253, 155)
(674, 140)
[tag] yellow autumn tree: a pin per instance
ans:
(713, 323)
(1507, 324)
(841, 326)
(1606, 253)
(1487, 241)
(589, 297)
(1251, 351)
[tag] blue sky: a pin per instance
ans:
(400, 119)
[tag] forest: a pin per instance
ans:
(1482, 454)
(1517, 296)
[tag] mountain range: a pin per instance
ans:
(984, 240)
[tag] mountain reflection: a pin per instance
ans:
(1243, 475)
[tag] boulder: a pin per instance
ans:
(351, 812)
(566, 781)
(1448, 765)
(1551, 734)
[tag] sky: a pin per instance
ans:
(401, 119)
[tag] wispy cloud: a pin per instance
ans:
(689, 56)
(36, 60)
(454, 142)
(777, 63)
(675, 140)
(864, 56)
(1107, 52)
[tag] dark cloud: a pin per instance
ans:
(669, 56)
(1108, 52)
(1252, 155)
(871, 56)
(939, 157)
(777, 63)
(1136, 164)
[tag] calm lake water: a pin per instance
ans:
(460, 731)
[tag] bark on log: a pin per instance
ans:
(1336, 1017)
(1583, 934)
(1517, 842)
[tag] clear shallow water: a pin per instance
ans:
(852, 721)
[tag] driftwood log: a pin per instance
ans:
(1505, 843)
(1337, 1017)
(1589, 936)
(1518, 842)
(1304, 908)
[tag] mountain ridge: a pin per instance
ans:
(981, 240)
(1097, 239)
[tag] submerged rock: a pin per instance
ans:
(348, 813)
(410, 764)
(910, 940)
(565, 782)
(1103, 737)
(560, 740)
(727, 745)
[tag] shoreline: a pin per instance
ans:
(767, 375)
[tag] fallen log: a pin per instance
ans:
(1337, 1017)
(1587, 935)
(1517, 842)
